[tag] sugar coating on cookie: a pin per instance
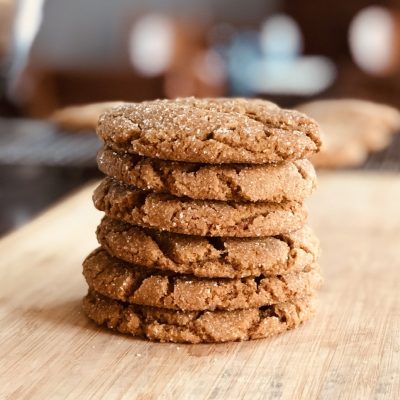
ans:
(210, 131)
(288, 181)
(219, 257)
(197, 217)
(163, 325)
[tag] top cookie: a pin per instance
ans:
(210, 131)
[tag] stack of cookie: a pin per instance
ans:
(204, 236)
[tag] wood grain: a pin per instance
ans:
(351, 350)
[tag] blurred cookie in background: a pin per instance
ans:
(351, 129)
(81, 117)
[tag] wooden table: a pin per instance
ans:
(350, 350)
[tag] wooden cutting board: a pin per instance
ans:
(350, 350)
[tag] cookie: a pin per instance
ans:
(163, 325)
(210, 131)
(196, 217)
(351, 129)
(130, 283)
(210, 257)
(82, 117)
(289, 181)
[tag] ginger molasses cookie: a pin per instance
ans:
(196, 217)
(289, 181)
(130, 283)
(210, 131)
(163, 325)
(351, 129)
(210, 257)
(82, 117)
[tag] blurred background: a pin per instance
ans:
(57, 53)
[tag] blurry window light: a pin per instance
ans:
(304, 76)
(282, 69)
(221, 34)
(242, 52)
(371, 37)
(151, 44)
(26, 26)
(281, 36)
(210, 68)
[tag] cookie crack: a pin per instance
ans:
(294, 247)
(217, 243)
(161, 174)
(264, 312)
(232, 185)
(301, 171)
(170, 289)
(246, 222)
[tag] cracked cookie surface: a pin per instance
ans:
(197, 217)
(288, 181)
(130, 283)
(210, 131)
(209, 257)
(163, 325)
